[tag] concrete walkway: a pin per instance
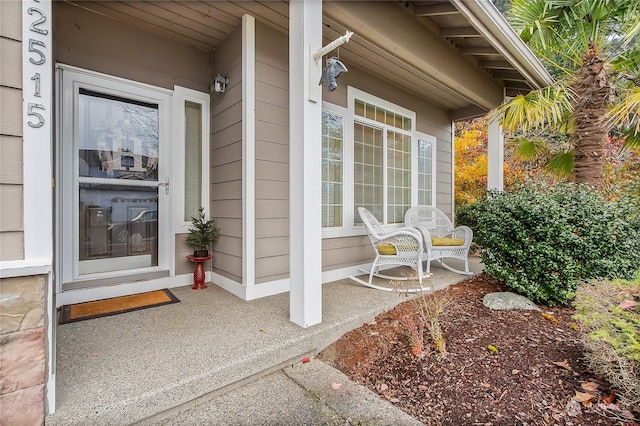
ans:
(216, 358)
(312, 393)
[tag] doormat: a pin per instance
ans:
(115, 305)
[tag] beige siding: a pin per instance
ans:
(92, 41)
(11, 145)
(272, 155)
(226, 158)
(343, 252)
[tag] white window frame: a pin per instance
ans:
(180, 96)
(349, 227)
(414, 163)
(347, 169)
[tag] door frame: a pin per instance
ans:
(69, 79)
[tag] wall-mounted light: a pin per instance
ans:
(219, 84)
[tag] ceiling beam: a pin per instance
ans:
(435, 10)
(459, 32)
(495, 65)
(508, 75)
(478, 50)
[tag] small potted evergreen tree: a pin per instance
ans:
(202, 234)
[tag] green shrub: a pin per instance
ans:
(611, 334)
(543, 241)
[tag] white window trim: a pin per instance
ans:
(347, 172)
(423, 136)
(349, 228)
(180, 96)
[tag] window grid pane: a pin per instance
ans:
(367, 168)
(332, 169)
(398, 176)
(425, 156)
(381, 115)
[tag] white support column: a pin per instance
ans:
(305, 152)
(495, 156)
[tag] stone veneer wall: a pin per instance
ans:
(22, 350)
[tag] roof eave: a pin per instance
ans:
(492, 25)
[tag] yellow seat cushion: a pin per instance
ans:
(443, 241)
(386, 249)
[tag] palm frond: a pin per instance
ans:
(545, 107)
(529, 149)
(631, 139)
(627, 111)
(561, 163)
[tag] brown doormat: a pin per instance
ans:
(115, 305)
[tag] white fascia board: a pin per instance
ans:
(492, 25)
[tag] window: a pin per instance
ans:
(382, 158)
(372, 157)
(191, 154)
(332, 169)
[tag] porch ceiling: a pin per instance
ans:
(205, 24)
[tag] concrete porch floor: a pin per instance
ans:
(125, 368)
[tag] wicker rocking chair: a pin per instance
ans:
(398, 247)
(441, 239)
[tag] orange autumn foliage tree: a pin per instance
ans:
(621, 174)
(470, 153)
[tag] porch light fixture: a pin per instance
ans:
(219, 84)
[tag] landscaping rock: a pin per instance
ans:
(508, 300)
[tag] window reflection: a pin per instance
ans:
(118, 138)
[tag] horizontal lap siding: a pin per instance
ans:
(92, 41)
(272, 155)
(226, 158)
(11, 145)
(344, 252)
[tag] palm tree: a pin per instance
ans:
(583, 44)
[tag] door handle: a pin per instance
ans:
(165, 184)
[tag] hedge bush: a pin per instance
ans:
(609, 323)
(543, 241)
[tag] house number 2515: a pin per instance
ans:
(38, 57)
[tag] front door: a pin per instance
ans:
(114, 192)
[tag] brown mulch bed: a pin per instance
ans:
(536, 377)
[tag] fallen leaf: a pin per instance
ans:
(627, 305)
(564, 364)
(306, 360)
(583, 397)
(336, 386)
(590, 387)
(550, 317)
(609, 399)
(492, 350)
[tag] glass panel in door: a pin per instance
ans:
(117, 183)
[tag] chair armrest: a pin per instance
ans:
(403, 234)
(463, 232)
(426, 235)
